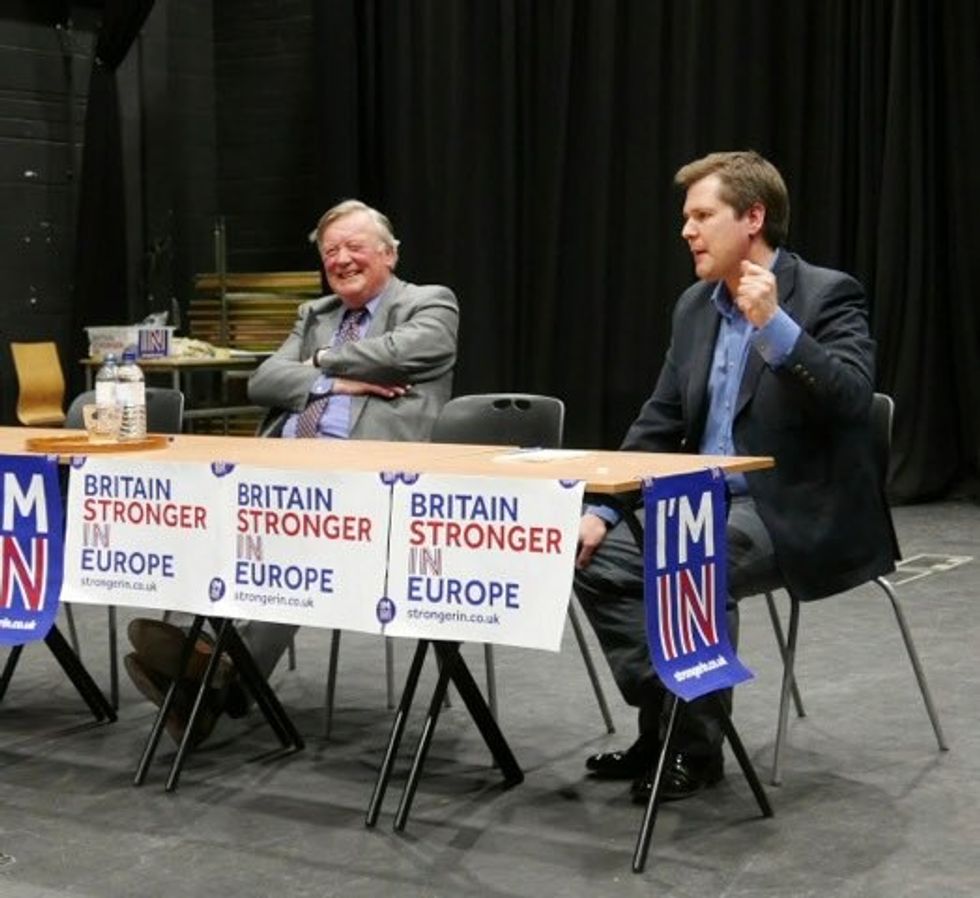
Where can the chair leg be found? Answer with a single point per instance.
(291, 654)
(583, 646)
(784, 697)
(113, 660)
(777, 628)
(332, 678)
(491, 679)
(390, 672)
(72, 632)
(331, 683)
(916, 664)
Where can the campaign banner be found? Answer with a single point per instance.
(302, 547)
(686, 584)
(142, 533)
(481, 559)
(31, 547)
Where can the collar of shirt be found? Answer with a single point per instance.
(721, 299)
(371, 307)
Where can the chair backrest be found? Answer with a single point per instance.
(41, 383)
(164, 410)
(503, 419)
(882, 415)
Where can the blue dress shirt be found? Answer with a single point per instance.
(774, 341)
(335, 421)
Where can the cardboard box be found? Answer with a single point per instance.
(150, 341)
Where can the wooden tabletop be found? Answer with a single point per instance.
(603, 471)
(182, 363)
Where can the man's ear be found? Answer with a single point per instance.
(755, 216)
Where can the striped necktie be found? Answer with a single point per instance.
(308, 423)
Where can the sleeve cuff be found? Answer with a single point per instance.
(609, 515)
(321, 386)
(775, 340)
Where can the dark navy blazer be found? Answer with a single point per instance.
(823, 502)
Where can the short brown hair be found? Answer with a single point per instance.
(746, 178)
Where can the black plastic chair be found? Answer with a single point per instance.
(515, 419)
(882, 413)
(502, 419)
(164, 414)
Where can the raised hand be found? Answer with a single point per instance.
(757, 296)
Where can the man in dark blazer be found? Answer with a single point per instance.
(769, 355)
(373, 360)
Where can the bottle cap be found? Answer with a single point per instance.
(129, 355)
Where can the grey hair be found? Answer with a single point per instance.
(347, 207)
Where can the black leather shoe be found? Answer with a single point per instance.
(623, 765)
(684, 775)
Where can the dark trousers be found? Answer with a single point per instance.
(610, 591)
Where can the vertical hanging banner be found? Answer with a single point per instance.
(482, 559)
(302, 547)
(31, 548)
(686, 584)
(142, 533)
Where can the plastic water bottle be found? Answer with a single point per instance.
(131, 394)
(106, 381)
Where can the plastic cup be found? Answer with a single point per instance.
(102, 422)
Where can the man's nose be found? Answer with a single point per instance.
(688, 230)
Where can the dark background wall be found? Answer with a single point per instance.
(525, 153)
(166, 101)
(43, 84)
(179, 151)
(167, 98)
(268, 111)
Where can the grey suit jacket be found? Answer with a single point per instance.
(822, 503)
(411, 339)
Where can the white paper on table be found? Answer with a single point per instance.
(539, 456)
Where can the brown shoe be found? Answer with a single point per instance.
(159, 644)
(154, 687)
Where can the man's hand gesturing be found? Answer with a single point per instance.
(757, 296)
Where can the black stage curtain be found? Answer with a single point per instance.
(525, 151)
(100, 282)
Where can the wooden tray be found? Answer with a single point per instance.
(82, 445)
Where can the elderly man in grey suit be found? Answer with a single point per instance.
(388, 383)
(373, 360)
